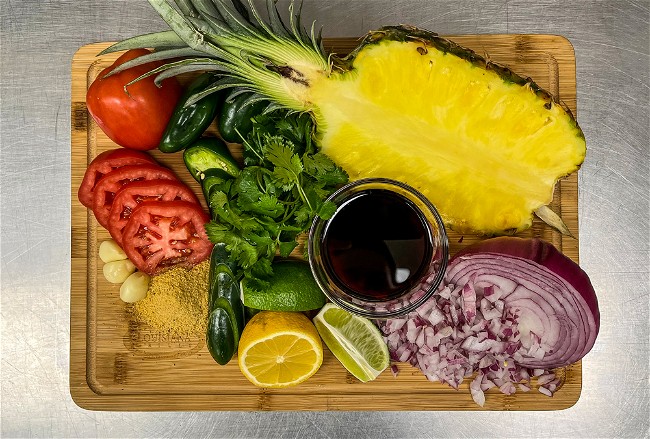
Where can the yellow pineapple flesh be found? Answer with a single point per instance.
(486, 151)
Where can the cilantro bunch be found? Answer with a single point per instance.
(276, 196)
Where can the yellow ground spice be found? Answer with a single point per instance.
(177, 301)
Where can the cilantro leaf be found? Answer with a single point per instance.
(287, 165)
(241, 250)
(261, 269)
(324, 170)
(268, 205)
(223, 211)
(296, 128)
(327, 210)
(250, 196)
(317, 164)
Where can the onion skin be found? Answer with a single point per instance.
(546, 255)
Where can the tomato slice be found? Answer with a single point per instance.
(129, 196)
(104, 163)
(161, 234)
(110, 183)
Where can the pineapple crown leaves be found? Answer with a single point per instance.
(232, 38)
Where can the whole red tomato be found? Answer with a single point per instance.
(136, 119)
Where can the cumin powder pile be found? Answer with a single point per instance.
(177, 301)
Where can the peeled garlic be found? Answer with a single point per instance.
(110, 251)
(116, 272)
(135, 287)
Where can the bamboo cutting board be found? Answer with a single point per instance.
(119, 364)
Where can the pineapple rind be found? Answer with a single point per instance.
(485, 150)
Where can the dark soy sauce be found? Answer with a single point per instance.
(377, 245)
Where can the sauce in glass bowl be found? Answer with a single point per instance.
(384, 251)
(377, 245)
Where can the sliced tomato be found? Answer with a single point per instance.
(160, 234)
(129, 196)
(104, 163)
(110, 183)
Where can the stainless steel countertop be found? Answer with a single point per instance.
(612, 41)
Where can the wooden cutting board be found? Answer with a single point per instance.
(119, 364)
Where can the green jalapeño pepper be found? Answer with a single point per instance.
(225, 309)
(209, 153)
(236, 114)
(188, 123)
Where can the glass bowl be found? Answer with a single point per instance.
(423, 283)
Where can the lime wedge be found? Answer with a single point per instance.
(355, 341)
(292, 288)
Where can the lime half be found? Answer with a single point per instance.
(354, 340)
(292, 288)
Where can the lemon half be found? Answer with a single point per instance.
(279, 349)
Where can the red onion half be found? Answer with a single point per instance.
(556, 305)
(509, 309)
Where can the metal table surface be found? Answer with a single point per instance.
(611, 40)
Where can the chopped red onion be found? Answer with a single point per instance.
(507, 315)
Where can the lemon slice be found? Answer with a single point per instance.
(354, 340)
(279, 349)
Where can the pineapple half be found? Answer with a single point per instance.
(483, 144)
